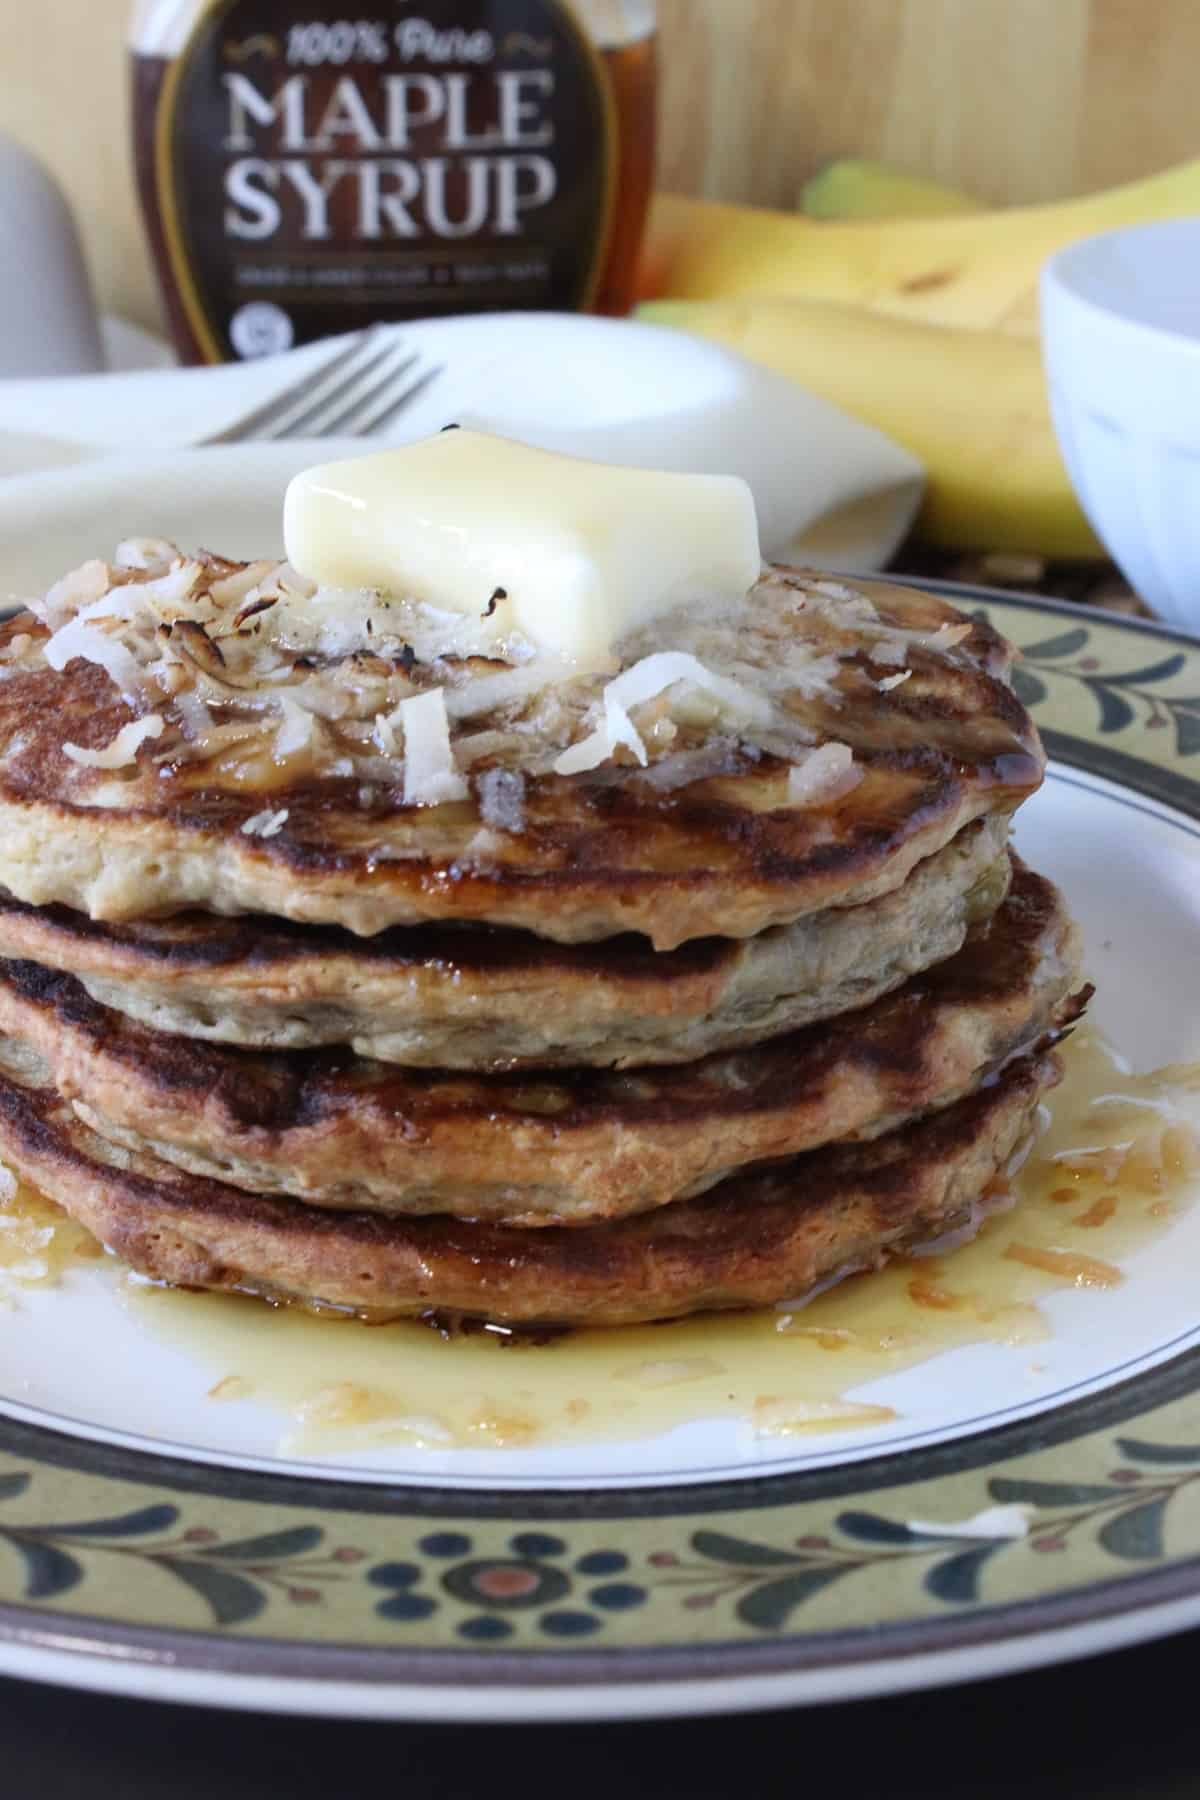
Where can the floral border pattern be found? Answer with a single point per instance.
(492, 1588)
(133, 1547)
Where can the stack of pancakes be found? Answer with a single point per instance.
(621, 1043)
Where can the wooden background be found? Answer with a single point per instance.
(1014, 99)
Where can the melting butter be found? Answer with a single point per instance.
(568, 553)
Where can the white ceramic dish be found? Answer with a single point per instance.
(1121, 337)
(154, 1542)
(73, 1351)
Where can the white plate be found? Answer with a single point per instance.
(65, 1354)
(161, 1543)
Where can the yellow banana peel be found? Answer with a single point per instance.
(973, 269)
(970, 403)
(855, 187)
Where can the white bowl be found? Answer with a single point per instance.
(1121, 340)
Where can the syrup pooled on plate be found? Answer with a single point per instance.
(1117, 1162)
(1115, 1165)
(38, 1241)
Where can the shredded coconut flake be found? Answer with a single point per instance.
(296, 728)
(482, 847)
(384, 732)
(946, 637)
(72, 594)
(815, 679)
(837, 590)
(145, 553)
(240, 586)
(619, 728)
(892, 681)
(502, 799)
(893, 644)
(823, 775)
(194, 715)
(661, 670)
(121, 750)
(509, 687)
(430, 777)
(784, 1418)
(678, 769)
(652, 676)
(671, 1373)
(79, 639)
(257, 652)
(168, 594)
(16, 648)
(266, 824)
(596, 748)
(888, 651)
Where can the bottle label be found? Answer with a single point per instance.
(316, 172)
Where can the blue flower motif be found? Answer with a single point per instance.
(401, 1602)
(536, 1543)
(602, 1562)
(485, 1628)
(618, 1596)
(569, 1624)
(445, 1543)
(406, 1607)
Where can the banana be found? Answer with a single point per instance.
(970, 403)
(974, 269)
(857, 188)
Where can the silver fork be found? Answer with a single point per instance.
(359, 388)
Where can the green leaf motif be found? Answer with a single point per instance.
(272, 1546)
(231, 1599)
(1115, 711)
(49, 1571)
(1068, 643)
(717, 1546)
(956, 1578)
(1187, 731)
(134, 1524)
(1006, 1492)
(1139, 1450)
(870, 1528)
(1028, 689)
(1137, 1535)
(12, 1485)
(1159, 671)
(769, 1606)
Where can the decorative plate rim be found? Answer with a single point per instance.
(502, 1621)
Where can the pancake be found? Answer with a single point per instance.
(768, 1235)
(269, 779)
(334, 1131)
(480, 997)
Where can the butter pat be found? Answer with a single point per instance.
(570, 554)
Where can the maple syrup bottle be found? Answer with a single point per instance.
(304, 172)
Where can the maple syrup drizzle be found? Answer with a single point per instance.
(1116, 1161)
(38, 1241)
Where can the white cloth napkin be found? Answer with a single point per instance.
(827, 487)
